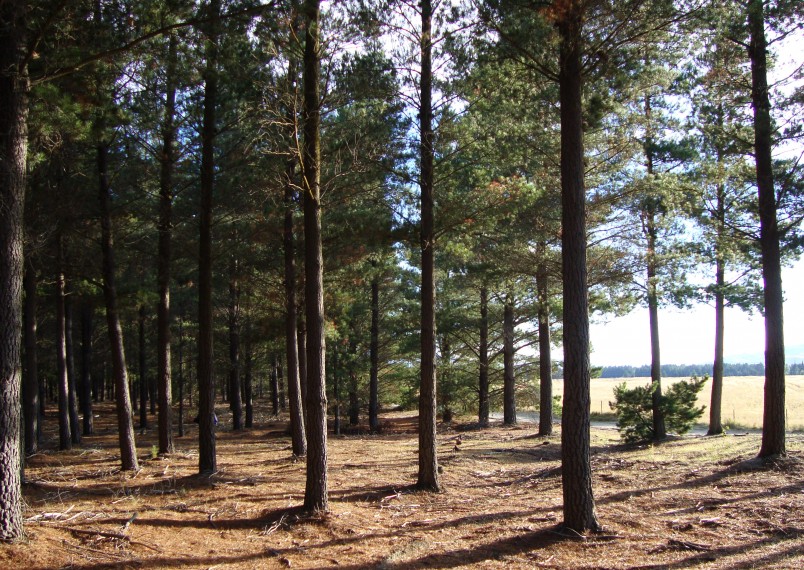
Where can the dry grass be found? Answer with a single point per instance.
(692, 502)
(742, 398)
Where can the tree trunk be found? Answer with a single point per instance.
(545, 359)
(181, 373)
(297, 431)
(576, 470)
(30, 387)
(274, 387)
(143, 373)
(428, 478)
(165, 230)
(773, 419)
(715, 414)
(65, 438)
(301, 335)
(248, 382)
(207, 460)
(14, 88)
(315, 494)
(650, 230)
(509, 380)
(86, 366)
(235, 397)
(659, 430)
(125, 425)
(75, 422)
(283, 403)
(374, 354)
(483, 389)
(336, 392)
(354, 402)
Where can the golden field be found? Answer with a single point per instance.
(742, 398)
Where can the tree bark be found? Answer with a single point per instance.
(374, 354)
(181, 372)
(65, 438)
(354, 402)
(30, 387)
(428, 478)
(298, 433)
(165, 231)
(509, 380)
(72, 400)
(301, 336)
(336, 392)
(14, 87)
(715, 404)
(773, 418)
(235, 397)
(292, 350)
(315, 494)
(545, 358)
(125, 425)
(207, 460)
(650, 230)
(143, 372)
(576, 470)
(274, 386)
(248, 381)
(483, 388)
(283, 402)
(86, 366)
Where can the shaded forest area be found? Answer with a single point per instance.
(266, 224)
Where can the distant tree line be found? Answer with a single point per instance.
(688, 370)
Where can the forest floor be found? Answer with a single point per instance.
(692, 502)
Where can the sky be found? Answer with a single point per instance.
(688, 337)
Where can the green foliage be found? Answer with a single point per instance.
(634, 408)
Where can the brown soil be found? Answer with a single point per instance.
(691, 502)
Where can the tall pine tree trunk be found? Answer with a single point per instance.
(650, 230)
(715, 404)
(354, 402)
(235, 396)
(483, 387)
(576, 470)
(428, 478)
(125, 425)
(301, 335)
(65, 438)
(248, 381)
(207, 459)
(181, 372)
(72, 381)
(274, 386)
(545, 359)
(659, 431)
(336, 392)
(374, 354)
(509, 379)
(143, 372)
(297, 431)
(30, 387)
(86, 366)
(315, 494)
(14, 88)
(165, 230)
(773, 419)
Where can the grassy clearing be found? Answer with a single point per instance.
(742, 399)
